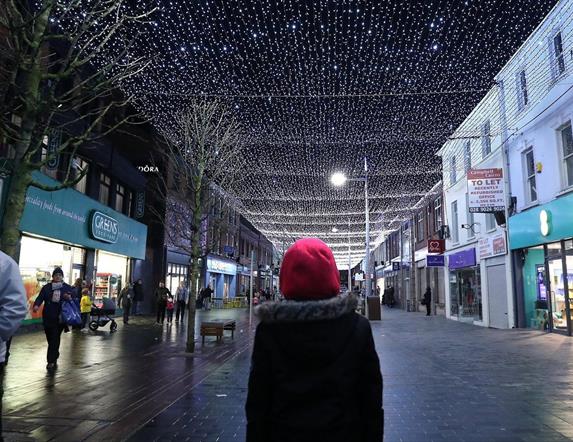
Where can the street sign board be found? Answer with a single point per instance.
(395, 266)
(486, 190)
(229, 250)
(436, 246)
(435, 261)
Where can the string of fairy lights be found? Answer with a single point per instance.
(319, 85)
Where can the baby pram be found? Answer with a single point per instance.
(100, 316)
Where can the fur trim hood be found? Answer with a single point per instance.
(301, 311)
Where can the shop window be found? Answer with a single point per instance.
(469, 219)
(420, 234)
(112, 274)
(128, 202)
(558, 56)
(467, 156)
(104, 188)
(567, 152)
(490, 223)
(522, 97)
(119, 197)
(486, 138)
(453, 171)
(437, 213)
(454, 229)
(529, 166)
(81, 165)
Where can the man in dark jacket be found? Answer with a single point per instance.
(315, 374)
(161, 295)
(52, 295)
(428, 301)
(137, 296)
(124, 300)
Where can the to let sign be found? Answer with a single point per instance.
(436, 246)
(486, 190)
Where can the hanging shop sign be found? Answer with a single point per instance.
(395, 266)
(492, 246)
(435, 261)
(70, 216)
(218, 266)
(229, 250)
(459, 260)
(139, 205)
(436, 246)
(486, 190)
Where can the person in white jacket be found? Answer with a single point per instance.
(13, 307)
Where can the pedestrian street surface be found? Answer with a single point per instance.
(443, 381)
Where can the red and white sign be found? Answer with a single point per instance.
(436, 246)
(486, 190)
(492, 246)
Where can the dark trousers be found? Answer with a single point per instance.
(170, 315)
(126, 309)
(161, 312)
(428, 308)
(85, 317)
(180, 310)
(1, 397)
(53, 334)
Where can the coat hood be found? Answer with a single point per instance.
(306, 311)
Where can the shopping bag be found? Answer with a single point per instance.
(71, 313)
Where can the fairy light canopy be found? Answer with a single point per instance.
(319, 85)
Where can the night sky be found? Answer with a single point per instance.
(318, 85)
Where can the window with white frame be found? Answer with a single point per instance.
(420, 226)
(521, 88)
(453, 171)
(559, 58)
(437, 213)
(469, 219)
(490, 223)
(119, 197)
(81, 166)
(486, 138)
(529, 169)
(567, 154)
(467, 156)
(104, 188)
(454, 228)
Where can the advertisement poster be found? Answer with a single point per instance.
(486, 190)
(492, 246)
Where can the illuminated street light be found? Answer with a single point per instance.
(338, 179)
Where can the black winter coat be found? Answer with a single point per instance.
(315, 374)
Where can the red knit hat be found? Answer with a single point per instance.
(309, 271)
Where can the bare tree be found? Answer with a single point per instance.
(61, 64)
(205, 155)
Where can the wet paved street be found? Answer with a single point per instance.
(444, 381)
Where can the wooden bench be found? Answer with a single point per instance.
(215, 327)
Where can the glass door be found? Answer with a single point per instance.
(557, 296)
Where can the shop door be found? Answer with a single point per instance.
(558, 294)
(497, 296)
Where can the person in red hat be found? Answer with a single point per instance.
(315, 374)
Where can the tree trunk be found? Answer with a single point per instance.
(195, 267)
(18, 185)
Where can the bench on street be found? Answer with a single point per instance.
(216, 327)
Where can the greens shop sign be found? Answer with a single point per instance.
(103, 227)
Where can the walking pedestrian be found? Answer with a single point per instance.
(85, 306)
(391, 299)
(428, 301)
(315, 374)
(169, 308)
(161, 298)
(76, 296)
(182, 294)
(124, 301)
(207, 293)
(137, 296)
(13, 307)
(52, 295)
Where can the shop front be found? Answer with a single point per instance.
(177, 272)
(465, 286)
(85, 238)
(541, 239)
(221, 274)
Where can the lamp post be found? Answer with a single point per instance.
(339, 179)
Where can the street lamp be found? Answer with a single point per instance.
(339, 179)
